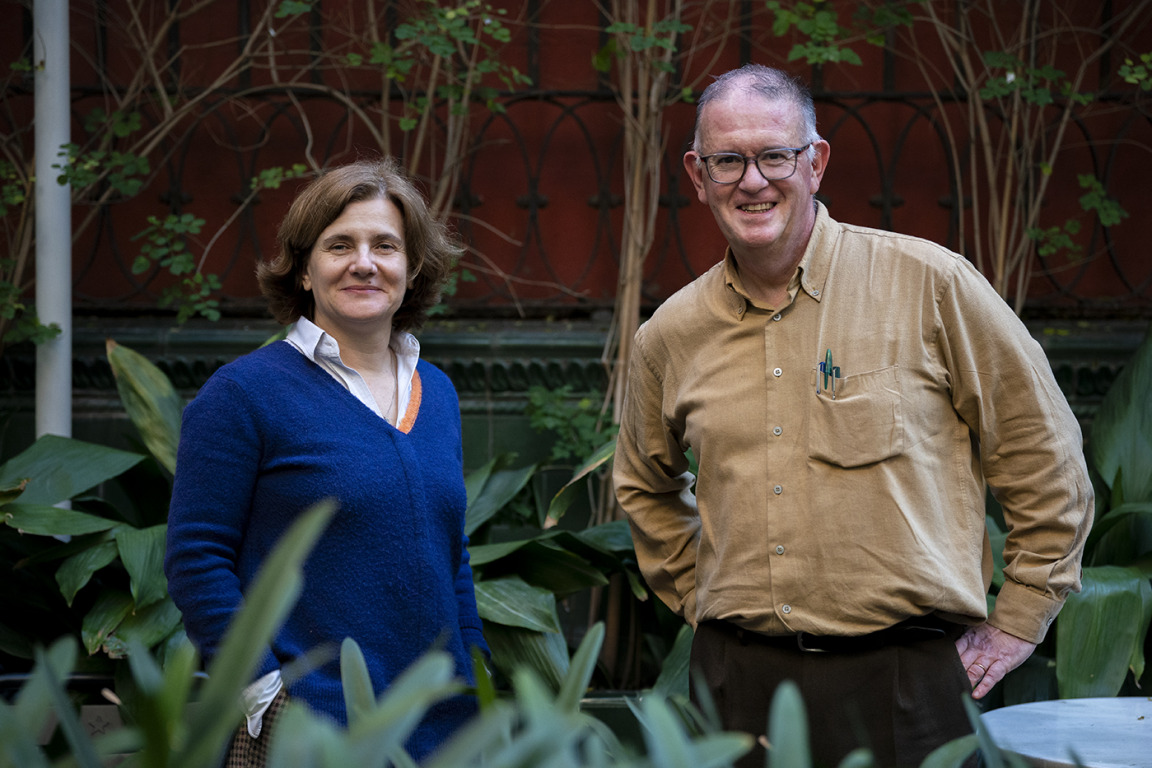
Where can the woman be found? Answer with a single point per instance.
(345, 409)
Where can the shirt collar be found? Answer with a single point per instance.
(315, 344)
(811, 273)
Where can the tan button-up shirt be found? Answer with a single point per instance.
(842, 505)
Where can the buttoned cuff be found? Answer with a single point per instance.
(1024, 612)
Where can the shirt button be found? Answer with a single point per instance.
(777, 431)
(815, 292)
(777, 317)
(786, 609)
(777, 371)
(779, 549)
(778, 490)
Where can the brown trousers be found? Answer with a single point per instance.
(900, 700)
(248, 752)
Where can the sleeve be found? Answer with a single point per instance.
(653, 486)
(471, 628)
(217, 463)
(1030, 449)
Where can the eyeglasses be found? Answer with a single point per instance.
(774, 164)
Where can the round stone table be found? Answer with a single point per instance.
(1102, 733)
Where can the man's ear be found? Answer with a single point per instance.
(821, 151)
(695, 169)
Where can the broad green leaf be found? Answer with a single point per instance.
(79, 745)
(1100, 632)
(10, 493)
(615, 537)
(150, 400)
(53, 521)
(482, 554)
(514, 647)
(145, 627)
(142, 552)
(953, 754)
(666, 739)
(359, 698)
(541, 563)
(77, 570)
(580, 669)
(267, 602)
(513, 602)
(788, 729)
(302, 739)
(1122, 536)
(111, 608)
(673, 680)
(383, 728)
(499, 488)
(473, 743)
(572, 489)
(59, 468)
(1121, 437)
(33, 703)
(997, 538)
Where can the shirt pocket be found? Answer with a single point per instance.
(862, 425)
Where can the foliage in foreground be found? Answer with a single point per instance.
(172, 721)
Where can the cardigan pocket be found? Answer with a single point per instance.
(862, 425)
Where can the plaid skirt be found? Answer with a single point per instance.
(248, 752)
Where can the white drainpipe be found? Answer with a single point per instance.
(53, 217)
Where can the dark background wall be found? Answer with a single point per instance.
(540, 201)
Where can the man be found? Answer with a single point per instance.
(846, 392)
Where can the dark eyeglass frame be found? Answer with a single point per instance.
(756, 159)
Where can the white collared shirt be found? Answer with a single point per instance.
(319, 347)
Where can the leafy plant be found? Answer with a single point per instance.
(1097, 644)
(1015, 108)
(176, 722)
(92, 569)
(1101, 633)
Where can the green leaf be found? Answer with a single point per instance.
(602, 59)
(150, 400)
(953, 754)
(384, 727)
(53, 521)
(33, 704)
(997, 538)
(513, 602)
(111, 608)
(1100, 632)
(142, 552)
(571, 490)
(542, 563)
(145, 628)
(788, 729)
(580, 669)
(1120, 444)
(359, 698)
(77, 570)
(60, 468)
(499, 487)
(673, 679)
(12, 492)
(267, 602)
(514, 647)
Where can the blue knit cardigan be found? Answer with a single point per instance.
(269, 435)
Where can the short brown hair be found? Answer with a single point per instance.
(431, 249)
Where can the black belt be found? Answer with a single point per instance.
(914, 630)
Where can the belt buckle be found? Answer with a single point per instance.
(806, 648)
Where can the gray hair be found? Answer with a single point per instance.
(766, 82)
